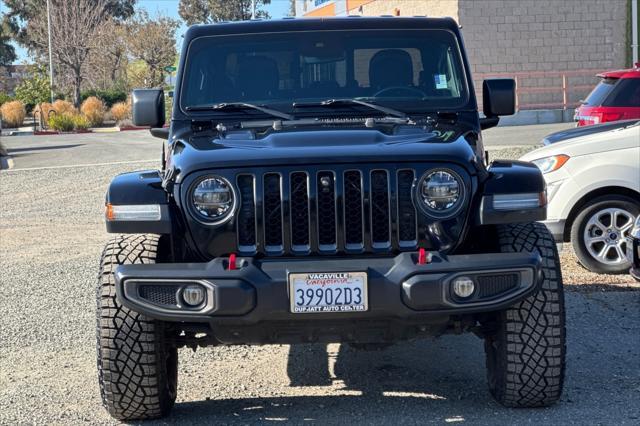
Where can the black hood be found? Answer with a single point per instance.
(318, 147)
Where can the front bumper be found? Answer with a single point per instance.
(398, 287)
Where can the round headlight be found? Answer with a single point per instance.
(213, 199)
(440, 192)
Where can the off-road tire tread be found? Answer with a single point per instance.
(526, 355)
(131, 348)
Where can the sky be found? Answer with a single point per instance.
(277, 9)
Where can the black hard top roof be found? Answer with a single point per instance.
(319, 24)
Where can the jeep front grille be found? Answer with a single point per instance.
(326, 211)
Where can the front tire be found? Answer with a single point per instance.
(526, 349)
(137, 367)
(599, 233)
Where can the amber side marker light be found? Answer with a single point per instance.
(139, 212)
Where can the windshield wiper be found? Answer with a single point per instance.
(240, 106)
(341, 102)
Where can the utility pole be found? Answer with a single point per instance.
(253, 9)
(635, 37)
(50, 57)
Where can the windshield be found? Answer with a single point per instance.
(412, 70)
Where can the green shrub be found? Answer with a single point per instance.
(80, 122)
(4, 98)
(62, 122)
(34, 90)
(109, 96)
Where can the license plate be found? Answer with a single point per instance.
(320, 292)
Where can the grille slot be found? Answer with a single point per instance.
(380, 214)
(493, 285)
(355, 210)
(246, 214)
(299, 211)
(327, 238)
(407, 225)
(272, 213)
(165, 295)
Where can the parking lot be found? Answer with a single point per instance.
(51, 236)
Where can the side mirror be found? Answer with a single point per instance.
(499, 97)
(148, 107)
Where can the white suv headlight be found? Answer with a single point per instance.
(552, 163)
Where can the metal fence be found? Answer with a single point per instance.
(545, 89)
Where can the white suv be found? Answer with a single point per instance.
(593, 188)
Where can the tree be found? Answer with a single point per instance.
(7, 51)
(152, 41)
(210, 11)
(74, 30)
(74, 24)
(106, 66)
(23, 15)
(34, 90)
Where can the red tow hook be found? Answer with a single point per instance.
(423, 256)
(232, 262)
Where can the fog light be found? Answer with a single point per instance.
(193, 295)
(463, 287)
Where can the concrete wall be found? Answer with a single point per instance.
(434, 8)
(509, 36)
(545, 35)
(529, 36)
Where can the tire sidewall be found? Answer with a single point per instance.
(580, 223)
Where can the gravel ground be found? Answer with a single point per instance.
(51, 235)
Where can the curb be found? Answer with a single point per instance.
(128, 128)
(55, 132)
(6, 162)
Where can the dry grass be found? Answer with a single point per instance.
(13, 113)
(121, 111)
(94, 109)
(42, 112)
(64, 107)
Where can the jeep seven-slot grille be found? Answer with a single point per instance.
(326, 211)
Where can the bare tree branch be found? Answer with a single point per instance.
(74, 31)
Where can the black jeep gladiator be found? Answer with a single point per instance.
(324, 180)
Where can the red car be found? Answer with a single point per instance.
(616, 97)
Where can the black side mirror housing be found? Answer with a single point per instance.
(499, 97)
(148, 107)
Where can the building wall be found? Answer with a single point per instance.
(328, 9)
(509, 36)
(530, 37)
(432, 8)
